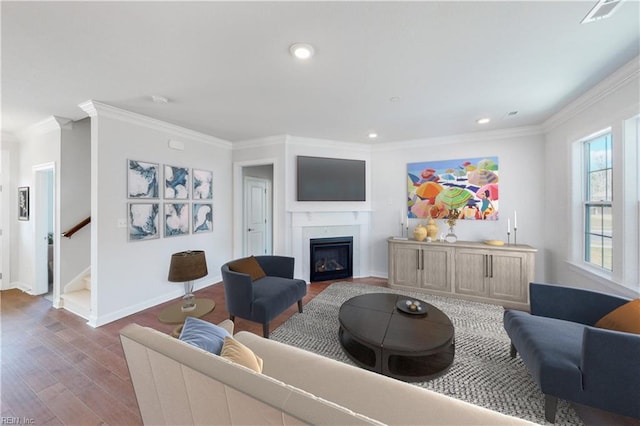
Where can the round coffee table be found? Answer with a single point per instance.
(378, 336)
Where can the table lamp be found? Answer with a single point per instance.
(185, 267)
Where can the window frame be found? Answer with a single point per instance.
(589, 203)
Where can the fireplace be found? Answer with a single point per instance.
(331, 258)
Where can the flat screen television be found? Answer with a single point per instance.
(331, 179)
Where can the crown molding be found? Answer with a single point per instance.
(260, 142)
(323, 143)
(621, 77)
(47, 125)
(96, 109)
(476, 137)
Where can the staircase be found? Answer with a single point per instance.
(76, 297)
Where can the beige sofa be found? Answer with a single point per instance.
(179, 384)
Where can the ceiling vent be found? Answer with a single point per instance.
(602, 9)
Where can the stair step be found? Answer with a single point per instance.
(78, 302)
(87, 281)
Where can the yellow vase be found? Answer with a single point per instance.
(432, 229)
(419, 233)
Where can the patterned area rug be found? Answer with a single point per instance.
(482, 373)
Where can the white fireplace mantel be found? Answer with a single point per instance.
(308, 225)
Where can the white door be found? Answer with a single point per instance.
(257, 217)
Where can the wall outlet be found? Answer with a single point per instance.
(122, 223)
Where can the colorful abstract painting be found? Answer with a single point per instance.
(465, 189)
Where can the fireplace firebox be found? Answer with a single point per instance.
(331, 258)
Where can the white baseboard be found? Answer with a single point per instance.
(99, 320)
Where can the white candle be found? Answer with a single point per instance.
(508, 226)
(515, 219)
(401, 216)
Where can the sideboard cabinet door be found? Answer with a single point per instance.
(471, 272)
(404, 264)
(509, 276)
(436, 268)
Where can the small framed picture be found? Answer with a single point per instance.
(202, 218)
(23, 203)
(177, 183)
(142, 179)
(176, 219)
(202, 184)
(144, 221)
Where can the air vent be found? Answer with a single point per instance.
(602, 9)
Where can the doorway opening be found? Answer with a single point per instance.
(44, 202)
(257, 210)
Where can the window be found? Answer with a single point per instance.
(598, 223)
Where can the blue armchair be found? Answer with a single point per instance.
(265, 298)
(569, 358)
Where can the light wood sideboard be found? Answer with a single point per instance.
(464, 269)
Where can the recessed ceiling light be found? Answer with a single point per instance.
(483, 120)
(301, 50)
(159, 99)
(373, 135)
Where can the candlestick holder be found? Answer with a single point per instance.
(508, 238)
(515, 236)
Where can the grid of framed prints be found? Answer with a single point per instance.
(179, 204)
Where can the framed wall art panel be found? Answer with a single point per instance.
(142, 179)
(465, 188)
(202, 217)
(23, 203)
(176, 219)
(202, 184)
(144, 221)
(177, 183)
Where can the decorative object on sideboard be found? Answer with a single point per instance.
(432, 229)
(451, 236)
(515, 229)
(419, 233)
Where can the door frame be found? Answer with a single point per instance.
(238, 203)
(40, 245)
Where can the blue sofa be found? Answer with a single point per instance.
(569, 358)
(265, 298)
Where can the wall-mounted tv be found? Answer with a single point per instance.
(331, 179)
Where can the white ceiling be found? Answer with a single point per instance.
(226, 68)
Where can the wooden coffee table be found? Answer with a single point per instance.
(377, 336)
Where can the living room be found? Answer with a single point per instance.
(537, 152)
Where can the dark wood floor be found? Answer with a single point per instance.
(58, 370)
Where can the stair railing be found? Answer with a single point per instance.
(76, 228)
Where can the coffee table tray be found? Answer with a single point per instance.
(404, 306)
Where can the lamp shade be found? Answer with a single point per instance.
(187, 266)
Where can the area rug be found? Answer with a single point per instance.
(482, 372)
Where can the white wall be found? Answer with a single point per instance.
(10, 155)
(130, 276)
(609, 104)
(520, 154)
(40, 144)
(295, 222)
(75, 200)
